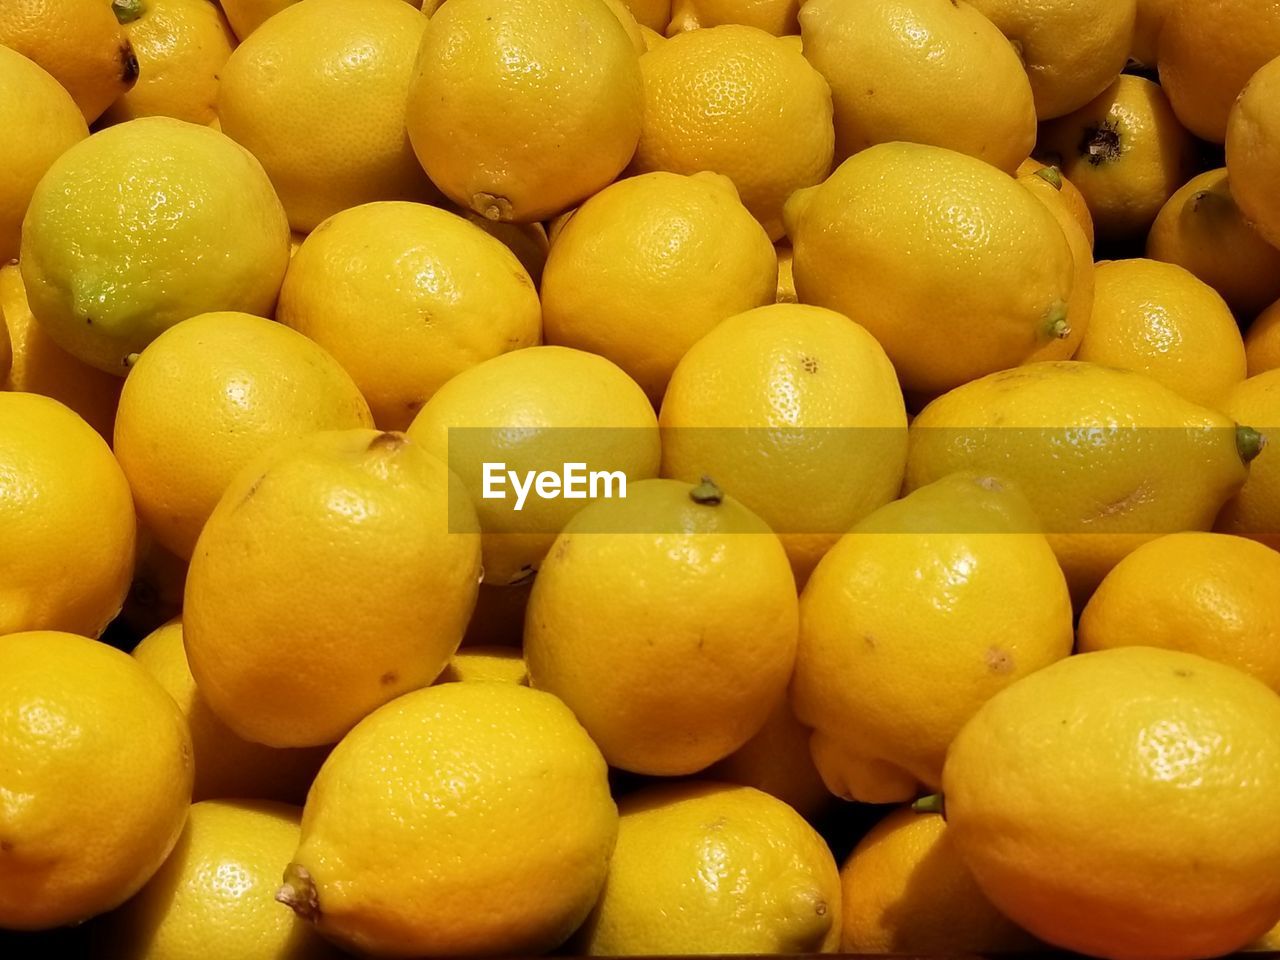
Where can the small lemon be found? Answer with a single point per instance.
(246, 16)
(651, 263)
(506, 855)
(1145, 47)
(97, 778)
(653, 14)
(1253, 150)
(486, 664)
(1255, 511)
(779, 17)
(1261, 340)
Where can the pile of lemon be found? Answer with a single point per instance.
(926, 353)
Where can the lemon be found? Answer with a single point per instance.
(225, 765)
(786, 292)
(1108, 458)
(1261, 341)
(795, 411)
(41, 366)
(405, 296)
(906, 891)
(667, 622)
(651, 263)
(1255, 511)
(1071, 51)
(215, 895)
(1126, 152)
(950, 295)
(653, 14)
(1253, 149)
(208, 395)
(97, 778)
(779, 17)
(509, 853)
(114, 252)
(1203, 593)
(519, 109)
(246, 16)
(704, 868)
(1118, 804)
(739, 102)
(486, 664)
(914, 619)
(1203, 229)
(528, 241)
(41, 122)
(78, 42)
(1158, 319)
(935, 72)
(1208, 51)
(1151, 15)
(350, 551)
(529, 412)
(1050, 178)
(182, 47)
(67, 529)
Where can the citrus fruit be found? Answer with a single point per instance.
(528, 241)
(97, 778)
(208, 395)
(950, 297)
(794, 378)
(1203, 229)
(1261, 340)
(1049, 177)
(739, 102)
(204, 231)
(155, 593)
(712, 868)
(67, 528)
(778, 17)
(517, 834)
(654, 14)
(667, 622)
(482, 664)
(531, 412)
(786, 292)
(519, 109)
(226, 767)
(352, 552)
(405, 296)
(1255, 511)
(1253, 150)
(1051, 787)
(935, 72)
(1145, 47)
(651, 263)
(245, 16)
(914, 619)
(1158, 319)
(1204, 593)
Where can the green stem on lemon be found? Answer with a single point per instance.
(1055, 321)
(1051, 176)
(127, 11)
(707, 493)
(934, 803)
(299, 892)
(1249, 443)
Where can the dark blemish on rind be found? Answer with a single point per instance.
(129, 69)
(869, 640)
(1100, 144)
(388, 678)
(1182, 673)
(248, 494)
(6, 846)
(999, 661)
(809, 364)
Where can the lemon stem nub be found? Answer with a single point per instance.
(1249, 442)
(930, 804)
(1056, 325)
(299, 892)
(707, 493)
(126, 11)
(1051, 176)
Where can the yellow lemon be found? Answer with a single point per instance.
(1208, 51)
(1108, 458)
(906, 891)
(1071, 51)
(950, 297)
(226, 767)
(1253, 150)
(1261, 340)
(405, 296)
(317, 94)
(795, 411)
(67, 528)
(652, 14)
(779, 17)
(115, 252)
(786, 292)
(1049, 177)
(1118, 804)
(97, 778)
(215, 895)
(541, 104)
(528, 241)
(246, 16)
(1203, 593)
(1158, 319)
(697, 601)
(935, 72)
(41, 122)
(486, 664)
(1145, 47)
(651, 38)
(182, 47)
(1255, 511)
(207, 396)
(651, 263)
(704, 868)
(78, 42)
(41, 366)
(914, 619)
(515, 839)
(529, 413)
(629, 24)
(1203, 229)
(1126, 153)
(352, 552)
(739, 102)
